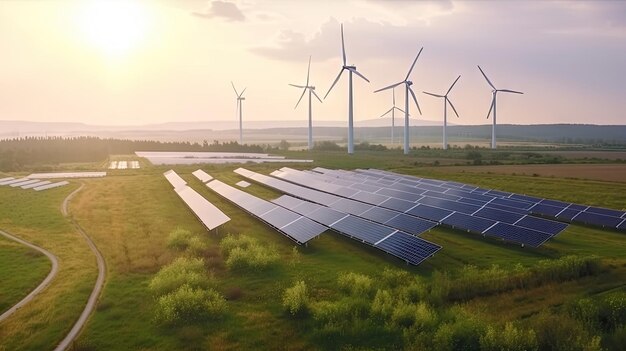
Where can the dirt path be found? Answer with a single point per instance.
(53, 272)
(95, 293)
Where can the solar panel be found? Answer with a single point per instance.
(34, 185)
(554, 203)
(567, 214)
(279, 216)
(398, 194)
(6, 179)
(605, 211)
(450, 205)
(622, 225)
(517, 234)
(175, 180)
(429, 212)
(379, 214)
(398, 205)
(542, 225)
(326, 216)
(546, 210)
(370, 188)
(468, 223)
(441, 195)
(597, 219)
(303, 229)
(206, 212)
(527, 198)
(512, 203)
(410, 224)
(350, 206)
(369, 198)
(412, 249)
(68, 175)
(202, 175)
(51, 185)
(507, 208)
(287, 201)
(472, 201)
(362, 229)
(346, 192)
(11, 181)
(499, 215)
(25, 182)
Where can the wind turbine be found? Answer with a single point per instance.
(350, 69)
(393, 115)
(311, 90)
(240, 99)
(408, 90)
(446, 101)
(494, 92)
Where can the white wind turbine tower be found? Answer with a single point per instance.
(350, 69)
(311, 90)
(446, 101)
(494, 92)
(408, 90)
(240, 99)
(393, 115)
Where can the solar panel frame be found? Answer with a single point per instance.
(51, 185)
(542, 225)
(514, 233)
(498, 215)
(468, 223)
(362, 229)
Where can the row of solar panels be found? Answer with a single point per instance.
(527, 230)
(455, 191)
(210, 216)
(35, 184)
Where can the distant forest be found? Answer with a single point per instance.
(16, 154)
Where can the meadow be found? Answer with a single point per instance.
(131, 213)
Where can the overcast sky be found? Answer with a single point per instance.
(160, 61)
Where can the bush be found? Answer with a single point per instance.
(383, 304)
(179, 239)
(231, 242)
(243, 252)
(296, 299)
(183, 271)
(189, 305)
(393, 278)
(510, 338)
(196, 247)
(355, 284)
(561, 332)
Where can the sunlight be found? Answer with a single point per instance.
(115, 28)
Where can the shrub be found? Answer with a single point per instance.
(187, 304)
(355, 284)
(179, 238)
(243, 252)
(510, 338)
(196, 247)
(383, 304)
(612, 311)
(296, 299)
(561, 332)
(183, 271)
(393, 278)
(231, 242)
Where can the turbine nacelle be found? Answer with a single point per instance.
(349, 67)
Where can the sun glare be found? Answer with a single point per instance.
(115, 28)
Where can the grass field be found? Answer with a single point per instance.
(129, 215)
(22, 270)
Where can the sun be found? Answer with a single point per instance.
(113, 27)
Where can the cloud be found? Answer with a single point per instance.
(222, 9)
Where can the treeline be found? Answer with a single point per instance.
(20, 153)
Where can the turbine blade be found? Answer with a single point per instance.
(243, 91)
(399, 109)
(389, 87)
(393, 92)
(491, 107)
(488, 81)
(335, 82)
(233, 84)
(384, 114)
(456, 80)
(415, 99)
(413, 65)
(298, 86)
(510, 91)
(453, 109)
(314, 93)
(300, 99)
(358, 74)
(308, 72)
(343, 46)
(436, 95)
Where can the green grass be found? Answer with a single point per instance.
(130, 214)
(22, 270)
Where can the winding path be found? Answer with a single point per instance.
(95, 293)
(53, 272)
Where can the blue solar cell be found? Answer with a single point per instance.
(410, 248)
(476, 196)
(441, 195)
(567, 214)
(472, 201)
(287, 201)
(499, 215)
(379, 214)
(512, 203)
(598, 219)
(469, 188)
(369, 198)
(453, 185)
(429, 212)
(506, 208)
(518, 234)
(545, 210)
(498, 193)
(450, 205)
(326, 216)
(350, 206)
(279, 216)
(605, 211)
(542, 225)
(385, 182)
(399, 194)
(345, 192)
(366, 187)
(398, 205)
(303, 229)
(525, 198)
(622, 226)
(479, 191)
(578, 207)
(306, 207)
(468, 223)
(410, 224)
(258, 207)
(555, 203)
(362, 229)
(407, 188)
(432, 181)
(431, 187)
(408, 182)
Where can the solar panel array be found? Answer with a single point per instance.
(564, 211)
(407, 247)
(440, 210)
(205, 211)
(27, 183)
(293, 225)
(68, 175)
(51, 185)
(202, 175)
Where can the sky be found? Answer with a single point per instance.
(143, 62)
